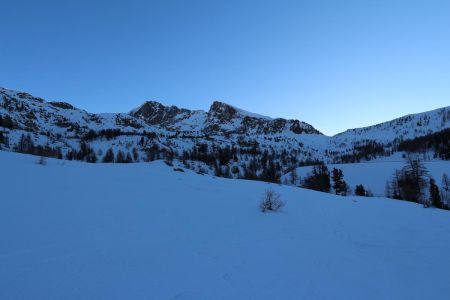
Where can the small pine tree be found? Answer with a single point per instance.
(360, 191)
(445, 195)
(135, 154)
(435, 197)
(120, 158)
(92, 157)
(339, 185)
(293, 178)
(128, 158)
(388, 190)
(109, 156)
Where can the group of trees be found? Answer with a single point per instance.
(414, 183)
(245, 163)
(318, 180)
(411, 183)
(109, 134)
(120, 158)
(438, 142)
(26, 145)
(322, 180)
(364, 151)
(7, 122)
(85, 153)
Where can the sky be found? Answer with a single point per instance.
(334, 64)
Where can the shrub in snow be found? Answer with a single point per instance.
(360, 190)
(271, 201)
(42, 161)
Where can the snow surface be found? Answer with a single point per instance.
(72, 230)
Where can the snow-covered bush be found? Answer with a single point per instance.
(271, 201)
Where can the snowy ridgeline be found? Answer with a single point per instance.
(72, 230)
(60, 126)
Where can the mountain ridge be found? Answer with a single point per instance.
(218, 103)
(170, 131)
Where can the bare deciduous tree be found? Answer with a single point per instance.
(271, 201)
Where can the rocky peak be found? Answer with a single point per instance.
(154, 113)
(222, 111)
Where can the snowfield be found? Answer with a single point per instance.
(72, 230)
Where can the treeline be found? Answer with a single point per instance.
(85, 153)
(364, 151)
(110, 134)
(438, 142)
(121, 157)
(245, 163)
(26, 145)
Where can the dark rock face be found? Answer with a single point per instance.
(154, 113)
(63, 105)
(275, 126)
(26, 96)
(222, 112)
(221, 118)
(298, 127)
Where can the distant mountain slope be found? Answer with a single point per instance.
(238, 137)
(407, 127)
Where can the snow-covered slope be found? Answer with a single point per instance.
(59, 124)
(71, 230)
(407, 127)
(175, 130)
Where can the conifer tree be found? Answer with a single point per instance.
(445, 195)
(293, 177)
(360, 190)
(318, 180)
(339, 185)
(120, 158)
(435, 197)
(109, 156)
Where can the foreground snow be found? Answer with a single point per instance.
(72, 230)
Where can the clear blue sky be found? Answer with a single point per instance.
(334, 64)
